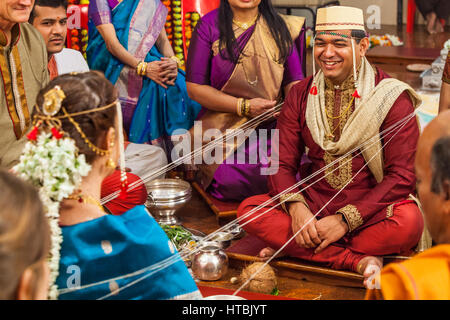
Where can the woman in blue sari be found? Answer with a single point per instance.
(123, 35)
(101, 256)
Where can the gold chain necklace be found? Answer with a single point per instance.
(86, 199)
(250, 82)
(331, 134)
(342, 113)
(246, 25)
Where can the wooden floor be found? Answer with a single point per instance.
(197, 215)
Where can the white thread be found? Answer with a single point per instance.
(354, 61)
(207, 147)
(168, 261)
(313, 217)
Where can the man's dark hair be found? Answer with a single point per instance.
(440, 164)
(47, 3)
(358, 35)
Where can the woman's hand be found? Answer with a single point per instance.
(171, 67)
(259, 106)
(156, 72)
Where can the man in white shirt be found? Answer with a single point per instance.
(50, 18)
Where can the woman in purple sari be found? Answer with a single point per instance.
(243, 59)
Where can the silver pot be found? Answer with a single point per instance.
(210, 263)
(165, 197)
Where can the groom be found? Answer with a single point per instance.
(327, 116)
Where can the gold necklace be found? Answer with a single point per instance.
(250, 82)
(342, 113)
(246, 25)
(331, 134)
(86, 199)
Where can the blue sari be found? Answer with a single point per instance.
(105, 249)
(150, 113)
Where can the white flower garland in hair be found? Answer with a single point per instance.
(56, 168)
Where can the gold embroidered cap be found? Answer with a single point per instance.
(339, 18)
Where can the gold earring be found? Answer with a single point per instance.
(110, 164)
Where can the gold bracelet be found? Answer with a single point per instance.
(246, 108)
(239, 106)
(141, 68)
(144, 69)
(177, 60)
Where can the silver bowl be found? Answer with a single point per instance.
(223, 239)
(165, 197)
(210, 263)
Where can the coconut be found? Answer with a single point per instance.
(265, 281)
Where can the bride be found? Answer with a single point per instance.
(73, 147)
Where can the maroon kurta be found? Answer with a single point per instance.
(371, 199)
(381, 222)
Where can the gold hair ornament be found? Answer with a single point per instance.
(51, 106)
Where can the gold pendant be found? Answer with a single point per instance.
(254, 82)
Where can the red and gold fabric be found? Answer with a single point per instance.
(364, 201)
(394, 235)
(52, 68)
(381, 221)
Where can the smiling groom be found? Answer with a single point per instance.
(326, 116)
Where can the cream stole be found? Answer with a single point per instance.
(364, 123)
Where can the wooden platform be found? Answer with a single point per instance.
(402, 55)
(244, 251)
(296, 280)
(222, 210)
(295, 269)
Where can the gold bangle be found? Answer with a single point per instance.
(239, 107)
(144, 69)
(177, 60)
(141, 68)
(246, 107)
